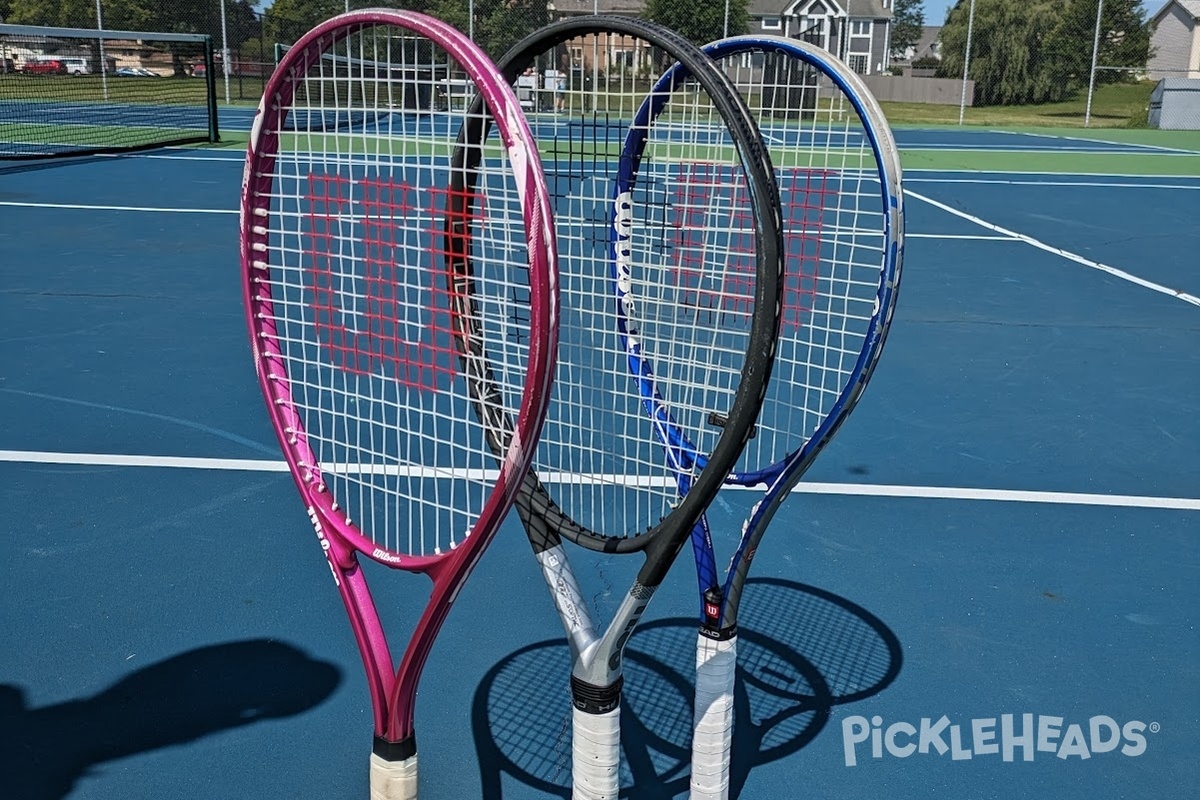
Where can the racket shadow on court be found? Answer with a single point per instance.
(803, 651)
(172, 702)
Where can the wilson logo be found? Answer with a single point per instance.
(1009, 737)
(383, 555)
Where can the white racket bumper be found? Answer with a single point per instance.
(393, 780)
(596, 754)
(712, 735)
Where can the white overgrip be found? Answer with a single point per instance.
(393, 780)
(595, 754)
(712, 734)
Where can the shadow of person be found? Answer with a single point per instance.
(178, 700)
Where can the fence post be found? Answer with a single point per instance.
(224, 51)
(1087, 114)
(962, 102)
(103, 61)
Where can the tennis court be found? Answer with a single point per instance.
(986, 588)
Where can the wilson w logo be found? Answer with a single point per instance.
(380, 283)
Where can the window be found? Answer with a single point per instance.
(814, 31)
(772, 23)
(858, 63)
(860, 27)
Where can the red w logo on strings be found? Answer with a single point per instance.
(380, 292)
(707, 189)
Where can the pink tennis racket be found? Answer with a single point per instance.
(402, 303)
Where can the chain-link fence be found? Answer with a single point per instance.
(1080, 62)
(995, 62)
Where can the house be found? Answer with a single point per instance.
(1175, 41)
(603, 52)
(857, 31)
(928, 46)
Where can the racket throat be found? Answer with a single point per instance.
(712, 611)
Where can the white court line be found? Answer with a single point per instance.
(1090, 184)
(79, 206)
(1062, 151)
(85, 207)
(972, 237)
(856, 489)
(1078, 259)
(1152, 147)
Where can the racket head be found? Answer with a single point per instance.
(385, 309)
(838, 171)
(649, 406)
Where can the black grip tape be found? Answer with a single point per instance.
(402, 750)
(595, 699)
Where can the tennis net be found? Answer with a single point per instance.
(75, 91)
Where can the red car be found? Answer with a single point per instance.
(49, 67)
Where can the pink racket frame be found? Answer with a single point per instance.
(393, 691)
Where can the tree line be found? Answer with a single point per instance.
(497, 24)
(1040, 51)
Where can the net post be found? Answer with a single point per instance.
(210, 78)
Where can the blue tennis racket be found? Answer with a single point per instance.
(839, 179)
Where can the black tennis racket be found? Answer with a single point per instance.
(670, 306)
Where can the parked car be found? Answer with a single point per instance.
(134, 72)
(76, 65)
(44, 67)
(199, 71)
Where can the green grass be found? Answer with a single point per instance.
(90, 89)
(1113, 106)
(89, 137)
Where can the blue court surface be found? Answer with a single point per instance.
(988, 586)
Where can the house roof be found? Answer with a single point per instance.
(855, 9)
(862, 9)
(1190, 6)
(929, 35)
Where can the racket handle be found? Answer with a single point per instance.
(595, 754)
(712, 735)
(394, 779)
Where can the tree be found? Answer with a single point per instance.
(288, 20)
(908, 18)
(701, 21)
(1124, 40)
(1011, 61)
(66, 13)
(498, 24)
